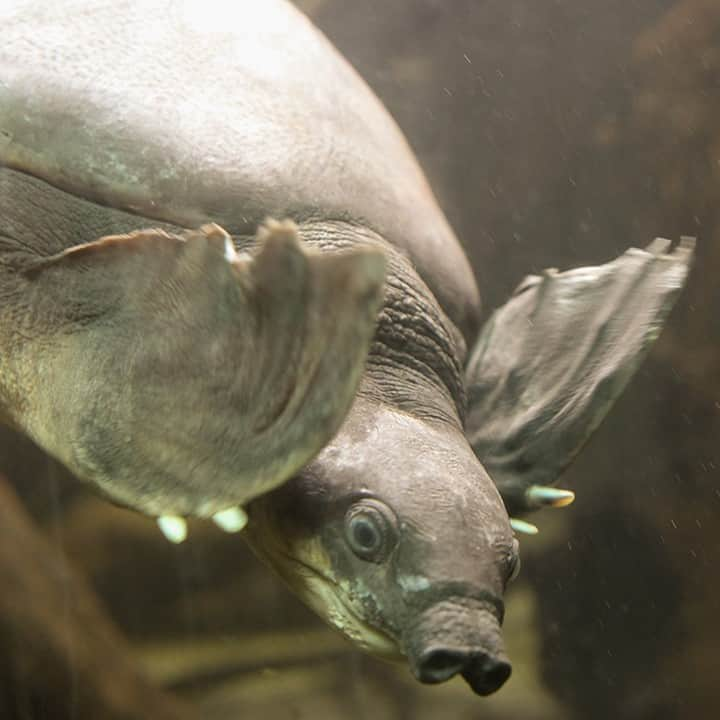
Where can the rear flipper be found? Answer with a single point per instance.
(183, 379)
(549, 364)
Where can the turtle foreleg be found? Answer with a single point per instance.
(549, 364)
(183, 379)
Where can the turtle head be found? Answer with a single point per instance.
(397, 537)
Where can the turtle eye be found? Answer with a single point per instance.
(368, 531)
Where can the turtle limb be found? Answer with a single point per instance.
(183, 379)
(549, 364)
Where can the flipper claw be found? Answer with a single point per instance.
(221, 236)
(541, 495)
(173, 527)
(520, 526)
(232, 520)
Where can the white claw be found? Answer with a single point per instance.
(230, 252)
(173, 527)
(521, 526)
(232, 520)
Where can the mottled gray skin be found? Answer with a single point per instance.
(207, 111)
(432, 590)
(163, 120)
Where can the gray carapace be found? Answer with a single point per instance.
(326, 374)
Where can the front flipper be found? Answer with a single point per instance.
(183, 379)
(549, 364)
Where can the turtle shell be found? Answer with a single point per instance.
(196, 111)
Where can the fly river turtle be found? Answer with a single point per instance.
(206, 372)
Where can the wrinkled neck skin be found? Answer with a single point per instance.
(416, 361)
(433, 593)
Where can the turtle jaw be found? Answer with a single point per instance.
(305, 568)
(328, 599)
(311, 579)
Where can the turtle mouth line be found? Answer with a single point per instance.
(339, 609)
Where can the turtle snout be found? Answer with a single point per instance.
(458, 638)
(484, 672)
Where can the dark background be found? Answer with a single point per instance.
(554, 133)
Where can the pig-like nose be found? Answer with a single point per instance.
(484, 672)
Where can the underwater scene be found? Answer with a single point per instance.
(359, 360)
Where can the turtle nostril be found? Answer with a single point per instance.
(440, 664)
(485, 674)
